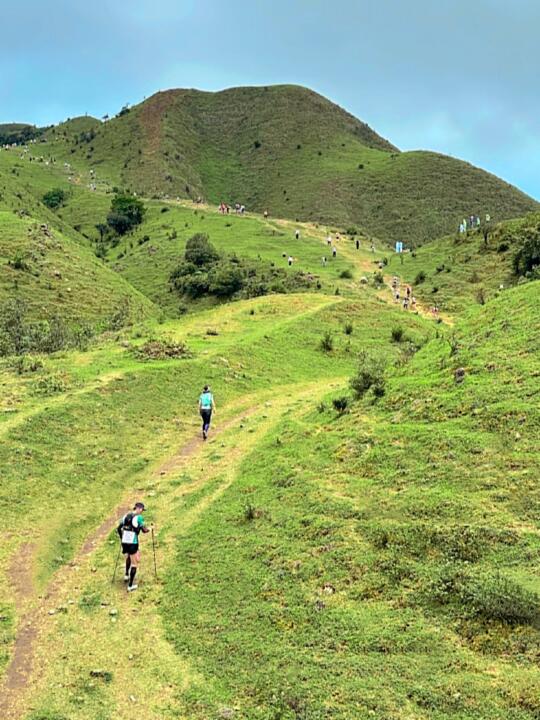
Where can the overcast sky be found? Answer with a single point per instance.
(457, 76)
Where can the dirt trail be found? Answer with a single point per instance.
(33, 610)
(363, 263)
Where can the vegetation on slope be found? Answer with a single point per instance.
(456, 271)
(286, 149)
(390, 551)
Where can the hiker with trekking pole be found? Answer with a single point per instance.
(129, 528)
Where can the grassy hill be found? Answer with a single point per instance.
(463, 270)
(311, 564)
(55, 276)
(18, 132)
(52, 268)
(288, 150)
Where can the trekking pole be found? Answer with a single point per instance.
(154, 549)
(116, 563)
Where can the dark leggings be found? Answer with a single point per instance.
(206, 417)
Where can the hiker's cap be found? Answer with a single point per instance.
(140, 505)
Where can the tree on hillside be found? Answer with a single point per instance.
(54, 198)
(527, 258)
(126, 212)
(200, 251)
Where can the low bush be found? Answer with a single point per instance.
(420, 278)
(161, 350)
(27, 364)
(397, 334)
(54, 198)
(370, 375)
(340, 404)
(346, 275)
(20, 335)
(327, 342)
(489, 596)
(348, 328)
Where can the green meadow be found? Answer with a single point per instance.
(358, 538)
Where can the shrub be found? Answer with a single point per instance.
(27, 364)
(481, 296)
(369, 375)
(420, 278)
(503, 247)
(327, 342)
(346, 275)
(54, 198)
(489, 596)
(340, 404)
(527, 258)
(348, 328)
(161, 350)
(495, 597)
(126, 212)
(121, 315)
(51, 385)
(200, 251)
(397, 334)
(226, 280)
(378, 279)
(19, 263)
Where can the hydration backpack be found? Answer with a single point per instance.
(128, 533)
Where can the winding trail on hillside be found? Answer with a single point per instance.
(362, 263)
(34, 610)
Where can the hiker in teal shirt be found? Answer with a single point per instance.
(206, 405)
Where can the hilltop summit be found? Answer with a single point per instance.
(287, 149)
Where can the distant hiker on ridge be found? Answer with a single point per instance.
(206, 406)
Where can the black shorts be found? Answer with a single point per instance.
(129, 549)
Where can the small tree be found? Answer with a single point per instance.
(200, 251)
(370, 375)
(327, 342)
(527, 258)
(126, 212)
(54, 198)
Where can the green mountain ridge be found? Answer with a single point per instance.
(287, 150)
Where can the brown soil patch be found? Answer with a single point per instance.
(151, 119)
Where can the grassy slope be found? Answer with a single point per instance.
(115, 416)
(148, 266)
(363, 526)
(94, 288)
(289, 150)
(463, 268)
(335, 600)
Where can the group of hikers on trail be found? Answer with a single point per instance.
(225, 209)
(408, 300)
(132, 523)
(472, 222)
